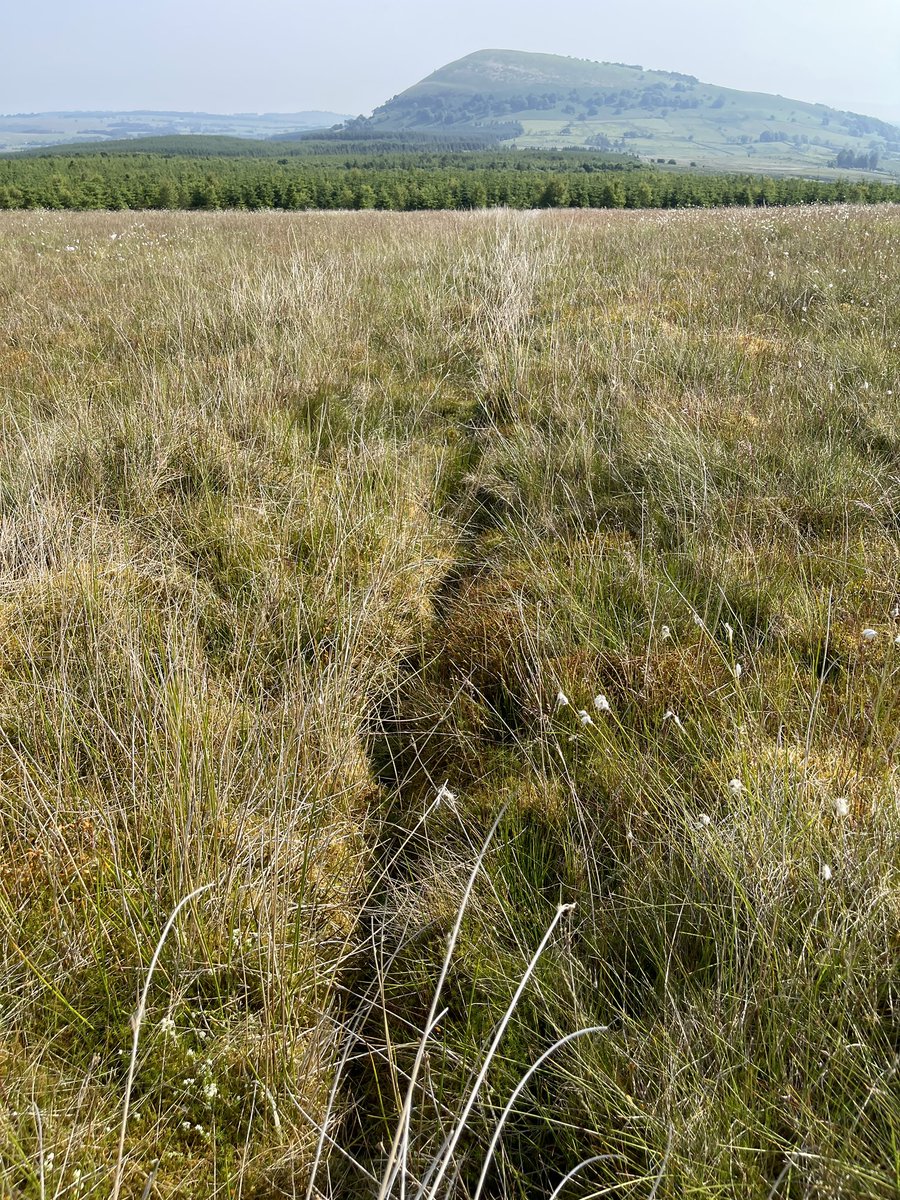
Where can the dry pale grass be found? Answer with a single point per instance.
(301, 516)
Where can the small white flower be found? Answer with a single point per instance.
(562, 700)
(665, 633)
(210, 1090)
(825, 873)
(585, 717)
(735, 787)
(601, 703)
(842, 806)
(869, 635)
(704, 819)
(167, 1026)
(444, 795)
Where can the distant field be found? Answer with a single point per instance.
(714, 155)
(649, 136)
(449, 705)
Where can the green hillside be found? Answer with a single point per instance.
(548, 100)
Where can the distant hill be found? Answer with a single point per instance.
(545, 100)
(21, 131)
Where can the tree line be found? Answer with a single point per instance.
(157, 182)
(866, 160)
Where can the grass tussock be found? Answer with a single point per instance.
(459, 654)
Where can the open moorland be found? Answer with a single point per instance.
(448, 705)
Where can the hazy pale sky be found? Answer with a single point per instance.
(350, 55)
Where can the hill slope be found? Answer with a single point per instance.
(547, 99)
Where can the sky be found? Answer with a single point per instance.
(348, 56)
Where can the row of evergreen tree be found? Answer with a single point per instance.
(866, 160)
(171, 183)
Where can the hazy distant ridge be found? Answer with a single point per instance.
(19, 131)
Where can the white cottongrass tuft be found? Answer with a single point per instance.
(842, 806)
(825, 873)
(602, 704)
(444, 795)
(136, 1021)
(735, 787)
(704, 819)
(562, 700)
(869, 635)
(671, 715)
(738, 670)
(585, 717)
(665, 633)
(729, 632)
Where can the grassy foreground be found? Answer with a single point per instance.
(388, 598)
